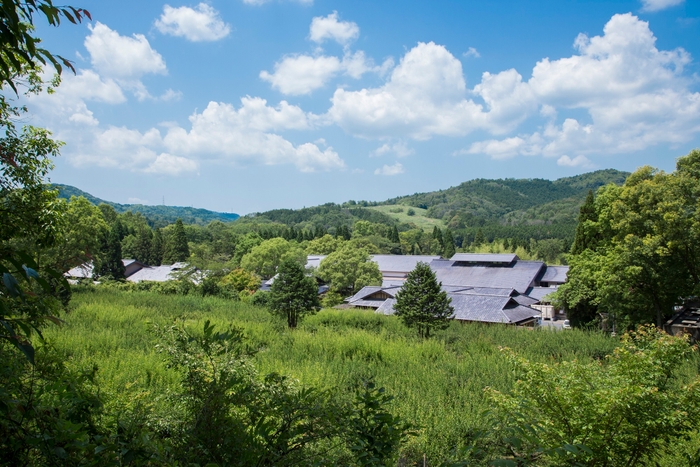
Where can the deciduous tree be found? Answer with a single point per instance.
(265, 258)
(349, 269)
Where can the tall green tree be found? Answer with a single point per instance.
(449, 241)
(421, 303)
(348, 269)
(110, 264)
(586, 233)
(293, 294)
(645, 260)
(266, 258)
(394, 235)
(176, 247)
(157, 249)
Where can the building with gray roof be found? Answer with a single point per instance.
(492, 288)
(85, 270)
(519, 275)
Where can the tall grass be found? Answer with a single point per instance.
(438, 383)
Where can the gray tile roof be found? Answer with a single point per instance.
(519, 275)
(313, 261)
(84, 271)
(155, 273)
(402, 264)
(387, 308)
(555, 274)
(538, 293)
(366, 291)
(483, 308)
(525, 300)
(485, 257)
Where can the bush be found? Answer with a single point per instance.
(260, 298)
(331, 299)
(411, 212)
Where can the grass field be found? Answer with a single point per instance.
(419, 219)
(438, 383)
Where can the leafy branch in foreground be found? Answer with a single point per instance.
(625, 410)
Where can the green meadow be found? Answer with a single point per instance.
(400, 213)
(438, 383)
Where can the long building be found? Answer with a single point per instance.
(492, 288)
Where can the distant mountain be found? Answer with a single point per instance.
(504, 208)
(158, 216)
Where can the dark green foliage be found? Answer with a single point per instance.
(110, 265)
(176, 248)
(643, 259)
(293, 294)
(394, 237)
(585, 236)
(449, 241)
(376, 434)
(421, 303)
(232, 416)
(479, 237)
(157, 249)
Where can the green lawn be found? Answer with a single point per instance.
(419, 219)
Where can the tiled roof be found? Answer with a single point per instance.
(401, 263)
(369, 290)
(555, 274)
(83, 271)
(314, 261)
(155, 273)
(518, 275)
(485, 258)
(483, 308)
(538, 293)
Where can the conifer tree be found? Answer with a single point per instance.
(421, 303)
(449, 244)
(293, 294)
(111, 264)
(157, 249)
(585, 236)
(176, 248)
(479, 237)
(395, 235)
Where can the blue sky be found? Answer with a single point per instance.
(248, 105)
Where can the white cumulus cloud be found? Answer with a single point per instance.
(627, 93)
(303, 74)
(122, 57)
(329, 28)
(657, 5)
(243, 135)
(168, 164)
(472, 52)
(399, 149)
(199, 24)
(578, 161)
(390, 170)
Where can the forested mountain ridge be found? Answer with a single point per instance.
(492, 199)
(503, 208)
(158, 216)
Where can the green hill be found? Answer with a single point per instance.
(158, 216)
(504, 208)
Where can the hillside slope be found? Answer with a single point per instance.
(158, 216)
(505, 208)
